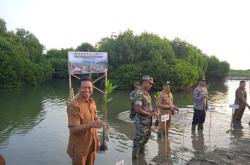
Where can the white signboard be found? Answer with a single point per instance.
(165, 117)
(87, 62)
(211, 109)
(121, 162)
(183, 110)
(234, 106)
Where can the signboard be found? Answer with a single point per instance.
(234, 106)
(165, 117)
(121, 162)
(211, 109)
(183, 110)
(87, 62)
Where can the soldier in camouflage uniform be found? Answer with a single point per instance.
(143, 117)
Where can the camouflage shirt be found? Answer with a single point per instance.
(143, 99)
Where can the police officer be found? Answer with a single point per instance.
(200, 95)
(143, 117)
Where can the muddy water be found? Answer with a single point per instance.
(33, 129)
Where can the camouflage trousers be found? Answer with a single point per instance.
(143, 131)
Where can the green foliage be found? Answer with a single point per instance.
(109, 88)
(17, 66)
(60, 67)
(86, 47)
(3, 28)
(157, 95)
(216, 70)
(130, 57)
(35, 49)
(185, 74)
(239, 73)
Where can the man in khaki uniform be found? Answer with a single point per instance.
(165, 103)
(241, 100)
(83, 123)
(2, 161)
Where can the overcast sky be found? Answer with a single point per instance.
(217, 27)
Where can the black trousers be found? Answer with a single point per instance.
(199, 116)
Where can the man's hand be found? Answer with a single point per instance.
(97, 124)
(155, 113)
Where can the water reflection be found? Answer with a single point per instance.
(198, 142)
(33, 127)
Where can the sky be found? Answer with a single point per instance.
(217, 27)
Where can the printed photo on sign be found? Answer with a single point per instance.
(87, 62)
(120, 162)
(183, 110)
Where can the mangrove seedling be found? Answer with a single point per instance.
(105, 100)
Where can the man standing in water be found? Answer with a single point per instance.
(136, 87)
(200, 95)
(83, 123)
(241, 100)
(165, 103)
(143, 117)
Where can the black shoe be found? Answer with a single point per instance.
(135, 154)
(193, 128)
(142, 149)
(200, 127)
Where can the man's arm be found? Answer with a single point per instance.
(74, 121)
(82, 127)
(139, 110)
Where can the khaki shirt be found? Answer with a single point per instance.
(240, 98)
(81, 111)
(166, 99)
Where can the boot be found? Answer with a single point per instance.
(135, 154)
(193, 127)
(200, 127)
(142, 149)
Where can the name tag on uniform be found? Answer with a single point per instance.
(165, 117)
(121, 162)
(234, 106)
(183, 110)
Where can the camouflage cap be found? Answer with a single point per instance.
(148, 78)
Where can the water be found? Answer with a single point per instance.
(33, 127)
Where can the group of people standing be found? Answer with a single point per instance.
(83, 120)
(142, 111)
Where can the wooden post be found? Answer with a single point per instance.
(105, 93)
(70, 85)
(210, 125)
(165, 128)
